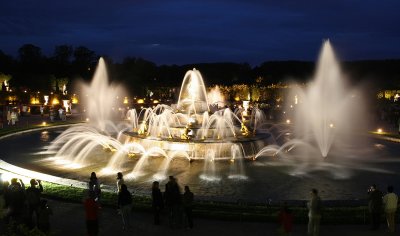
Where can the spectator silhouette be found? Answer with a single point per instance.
(125, 205)
(285, 219)
(390, 201)
(3, 202)
(33, 195)
(44, 213)
(16, 200)
(188, 198)
(314, 213)
(120, 181)
(173, 202)
(157, 202)
(94, 186)
(92, 214)
(375, 206)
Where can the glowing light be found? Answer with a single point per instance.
(44, 123)
(140, 101)
(55, 101)
(155, 101)
(46, 99)
(331, 125)
(126, 100)
(191, 120)
(287, 121)
(179, 147)
(9, 171)
(74, 99)
(379, 130)
(87, 119)
(35, 100)
(66, 105)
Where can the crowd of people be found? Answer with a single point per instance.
(179, 206)
(377, 203)
(388, 202)
(25, 206)
(21, 205)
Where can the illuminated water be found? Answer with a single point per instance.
(266, 178)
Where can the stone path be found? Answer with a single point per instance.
(68, 219)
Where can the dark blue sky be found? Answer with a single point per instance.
(184, 31)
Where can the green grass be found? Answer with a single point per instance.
(11, 129)
(386, 134)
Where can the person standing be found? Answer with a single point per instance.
(16, 198)
(157, 202)
(285, 218)
(33, 195)
(125, 205)
(314, 213)
(41, 110)
(92, 215)
(44, 213)
(14, 117)
(188, 198)
(390, 205)
(94, 186)
(120, 181)
(52, 114)
(173, 202)
(60, 113)
(375, 206)
(8, 117)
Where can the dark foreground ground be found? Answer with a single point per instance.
(69, 219)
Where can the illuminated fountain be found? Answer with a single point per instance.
(187, 130)
(201, 143)
(325, 118)
(100, 98)
(190, 130)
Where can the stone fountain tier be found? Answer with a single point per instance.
(198, 133)
(198, 149)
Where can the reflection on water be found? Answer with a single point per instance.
(44, 136)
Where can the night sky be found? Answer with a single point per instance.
(185, 31)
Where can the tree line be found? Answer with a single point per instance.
(33, 70)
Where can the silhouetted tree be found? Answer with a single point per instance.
(33, 70)
(61, 60)
(7, 63)
(84, 62)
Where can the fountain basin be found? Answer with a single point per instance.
(196, 149)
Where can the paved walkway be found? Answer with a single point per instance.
(32, 120)
(68, 219)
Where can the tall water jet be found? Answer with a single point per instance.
(100, 98)
(325, 108)
(193, 95)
